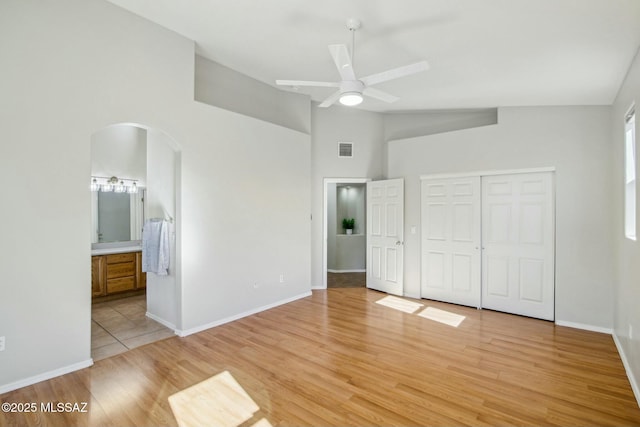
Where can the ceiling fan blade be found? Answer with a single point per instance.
(331, 99)
(378, 94)
(342, 59)
(395, 73)
(306, 83)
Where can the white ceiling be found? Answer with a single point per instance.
(483, 53)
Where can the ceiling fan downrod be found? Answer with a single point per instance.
(353, 25)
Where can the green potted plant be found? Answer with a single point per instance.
(348, 224)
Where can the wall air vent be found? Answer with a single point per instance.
(345, 149)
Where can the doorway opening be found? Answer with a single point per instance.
(130, 305)
(344, 242)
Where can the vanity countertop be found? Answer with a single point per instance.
(116, 250)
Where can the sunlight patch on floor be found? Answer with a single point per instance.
(442, 316)
(399, 304)
(217, 401)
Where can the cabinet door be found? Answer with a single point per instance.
(141, 277)
(98, 276)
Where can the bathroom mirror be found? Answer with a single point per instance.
(117, 217)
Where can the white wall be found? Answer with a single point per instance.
(574, 140)
(627, 297)
(245, 216)
(162, 291)
(328, 127)
(120, 150)
(71, 68)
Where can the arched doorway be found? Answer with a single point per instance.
(130, 307)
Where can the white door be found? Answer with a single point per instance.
(451, 240)
(518, 244)
(385, 235)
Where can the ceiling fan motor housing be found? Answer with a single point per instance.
(351, 86)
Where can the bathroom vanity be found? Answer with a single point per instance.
(117, 271)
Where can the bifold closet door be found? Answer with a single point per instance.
(451, 240)
(518, 244)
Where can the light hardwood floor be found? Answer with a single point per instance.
(338, 358)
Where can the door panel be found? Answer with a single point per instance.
(451, 240)
(518, 252)
(385, 235)
(497, 275)
(461, 280)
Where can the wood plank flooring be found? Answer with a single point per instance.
(338, 358)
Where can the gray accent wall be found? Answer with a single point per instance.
(223, 87)
(420, 123)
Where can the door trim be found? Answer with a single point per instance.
(487, 173)
(325, 186)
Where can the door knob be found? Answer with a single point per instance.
(398, 242)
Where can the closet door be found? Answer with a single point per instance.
(450, 265)
(518, 244)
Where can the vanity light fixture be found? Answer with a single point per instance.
(115, 184)
(120, 187)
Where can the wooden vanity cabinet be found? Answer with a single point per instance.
(98, 276)
(141, 279)
(116, 273)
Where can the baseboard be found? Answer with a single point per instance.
(346, 271)
(186, 332)
(627, 368)
(318, 288)
(45, 376)
(585, 327)
(161, 321)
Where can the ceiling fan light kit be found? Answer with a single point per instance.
(350, 99)
(352, 89)
(351, 92)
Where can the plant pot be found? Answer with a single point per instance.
(349, 231)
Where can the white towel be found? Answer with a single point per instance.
(155, 247)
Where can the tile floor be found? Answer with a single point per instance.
(120, 325)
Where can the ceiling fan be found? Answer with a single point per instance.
(350, 88)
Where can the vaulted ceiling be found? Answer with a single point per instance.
(482, 53)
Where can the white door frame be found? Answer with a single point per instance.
(325, 224)
(487, 173)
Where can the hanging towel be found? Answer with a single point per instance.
(155, 247)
